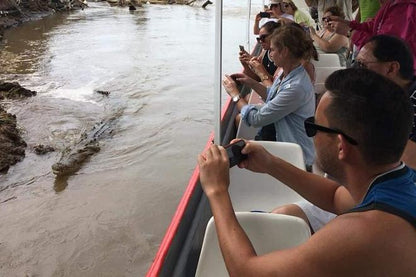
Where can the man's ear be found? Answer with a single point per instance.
(393, 69)
(344, 148)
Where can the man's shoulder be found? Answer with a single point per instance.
(360, 242)
(368, 227)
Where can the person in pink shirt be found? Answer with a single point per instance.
(395, 17)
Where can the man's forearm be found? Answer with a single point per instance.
(235, 246)
(316, 189)
(256, 27)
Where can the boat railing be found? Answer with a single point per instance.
(179, 252)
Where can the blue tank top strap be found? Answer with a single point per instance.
(394, 193)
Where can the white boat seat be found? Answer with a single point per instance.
(327, 60)
(267, 233)
(257, 191)
(321, 74)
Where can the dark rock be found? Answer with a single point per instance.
(12, 146)
(14, 91)
(41, 149)
(103, 92)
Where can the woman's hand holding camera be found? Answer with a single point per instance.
(244, 57)
(257, 67)
(230, 86)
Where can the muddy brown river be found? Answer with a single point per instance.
(110, 216)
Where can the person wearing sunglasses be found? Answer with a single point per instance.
(327, 40)
(388, 56)
(299, 17)
(395, 17)
(261, 68)
(347, 6)
(391, 57)
(275, 13)
(290, 99)
(360, 130)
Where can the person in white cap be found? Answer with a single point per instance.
(274, 12)
(322, 5)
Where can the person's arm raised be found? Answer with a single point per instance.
(341, 26)
(245, 58)
(323, 192)
(260, 71)
(319, 256)
(253, 84)
(256, 27)
(333, 44)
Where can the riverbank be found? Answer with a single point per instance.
(13, 14)
(12, 145)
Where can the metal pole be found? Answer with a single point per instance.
(248, 25)
(218, 72)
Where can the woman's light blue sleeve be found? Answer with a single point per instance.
(288, 100)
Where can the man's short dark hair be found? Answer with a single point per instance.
(373, 110)
(390, 48)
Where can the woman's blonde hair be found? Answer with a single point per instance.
(295, 39)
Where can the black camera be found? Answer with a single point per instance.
(234, 152)
(264, 15)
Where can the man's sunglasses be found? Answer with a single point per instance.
(326, 19)
(274, 6)
(360, 64)
(262, 38)
(312, 128)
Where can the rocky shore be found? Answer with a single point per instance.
(12, 145)
(13, 13)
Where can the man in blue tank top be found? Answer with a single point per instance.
(360, 130)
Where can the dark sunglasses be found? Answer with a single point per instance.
(326, 19)
(312, 128)
(360, 64)
(274, 6)
(262, 38)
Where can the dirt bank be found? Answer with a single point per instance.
(15, 12)
(12, 146)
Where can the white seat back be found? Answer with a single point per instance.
(327, 60)
(267, 233)
(257, 191)
(321, 74)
